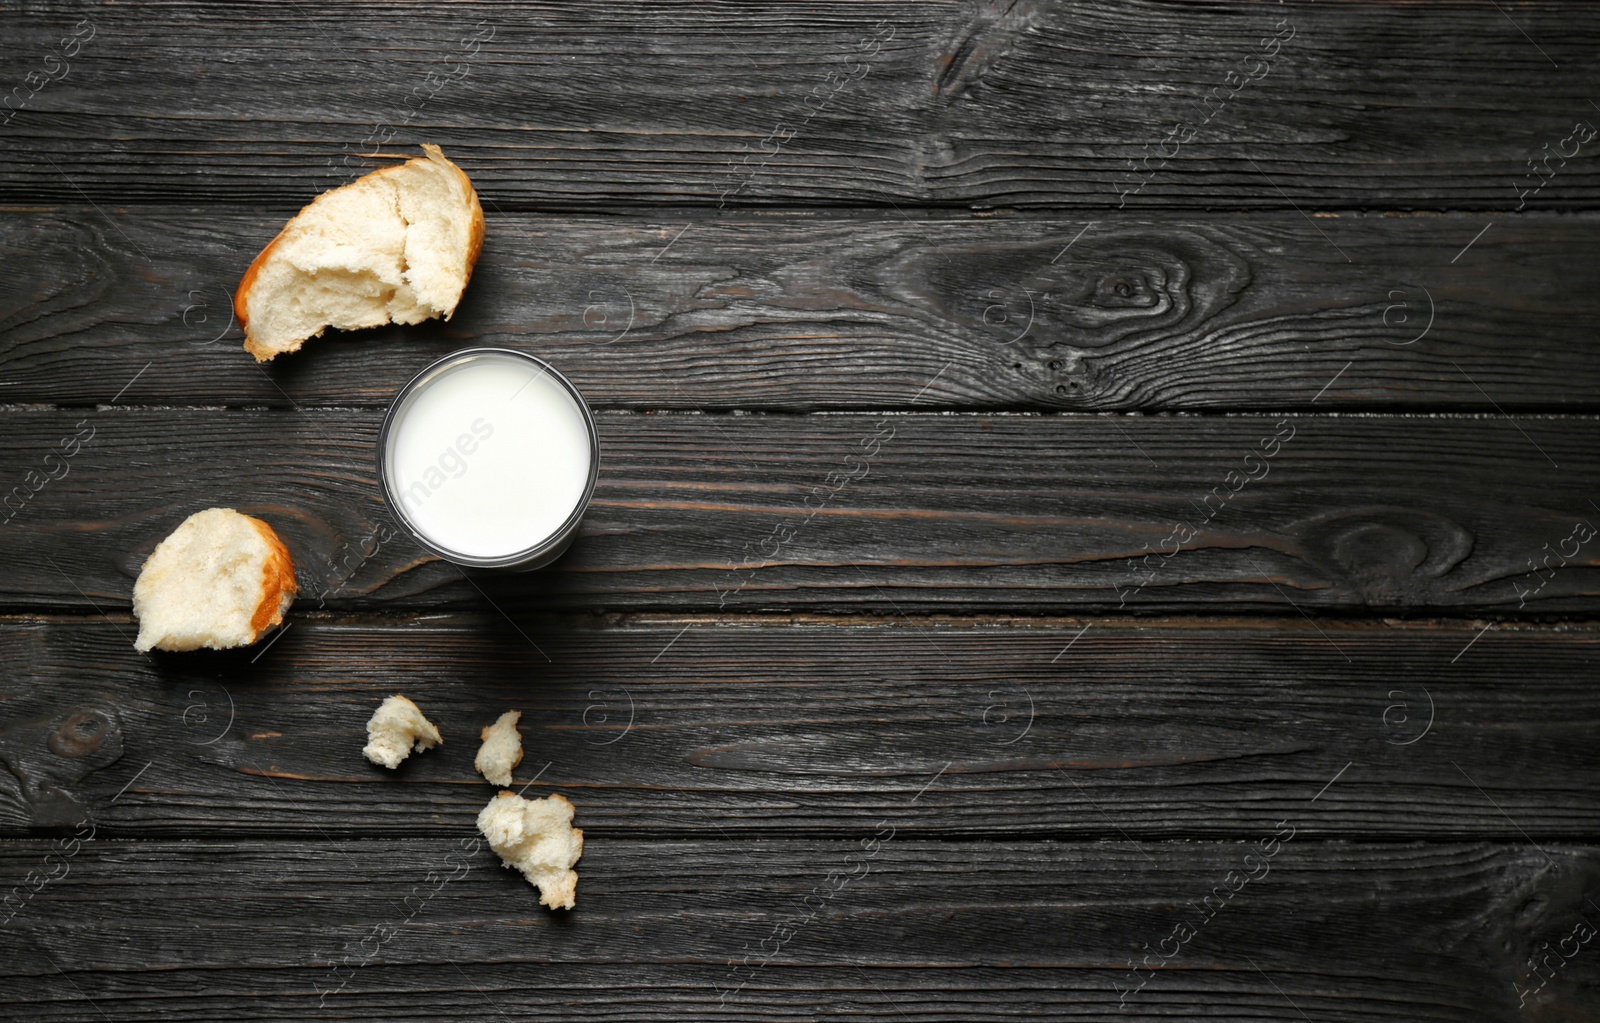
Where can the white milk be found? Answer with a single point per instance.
(488, 457)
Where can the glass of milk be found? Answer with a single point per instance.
(488, 458)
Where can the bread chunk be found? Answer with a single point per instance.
(536, 836)
(396, 727)
(394, 246)
(221, 579)
(501, 750)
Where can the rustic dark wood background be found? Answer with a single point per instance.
(1007, 290)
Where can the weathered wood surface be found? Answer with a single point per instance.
(1078, 729)
(798, 312)
(890, 513)
(1025, 930)
(1364, 105)
(807, 220)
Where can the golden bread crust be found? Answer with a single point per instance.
(242, 293)
(278, 586)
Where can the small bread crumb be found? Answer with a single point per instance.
(501, 750)
(396, 726)
(536, 836)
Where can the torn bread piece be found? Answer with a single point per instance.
(221, 579)
(397, 727)
(394, 246)
(536, 836)
(501, 750)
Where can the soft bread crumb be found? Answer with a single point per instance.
(396, 726)
(394, 246)
(501, 749)
(536, 836)
(221, 579)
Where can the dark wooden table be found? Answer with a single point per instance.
(1097, 518)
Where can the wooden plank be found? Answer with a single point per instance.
(844, 511)
(1337, 931)
(1082, 104)
(804, 726)
(801, 312)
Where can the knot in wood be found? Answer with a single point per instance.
(81, 733)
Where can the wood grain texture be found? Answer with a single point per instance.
(777, 726)
(1367, 105)
(861, 290)
(803, 312)
(857, 512)
(1016, 930)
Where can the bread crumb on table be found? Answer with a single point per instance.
(397, 727)
(501, 750)
(536, 836)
